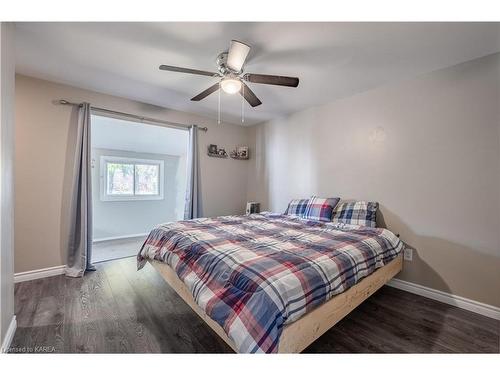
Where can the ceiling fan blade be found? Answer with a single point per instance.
(204, 94)
(187, 70)
(249, 95)
(272, 80)
(237, 55)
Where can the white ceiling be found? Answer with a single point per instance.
(332, 60)
(115, 134)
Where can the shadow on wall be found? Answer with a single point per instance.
(454, 262)
(410, 239)
(259, 182)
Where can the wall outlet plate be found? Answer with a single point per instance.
(408, 254)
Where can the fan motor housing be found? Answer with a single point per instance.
(222, 67)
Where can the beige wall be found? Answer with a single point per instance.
(43, 139)
(7, 65)
(427, 149)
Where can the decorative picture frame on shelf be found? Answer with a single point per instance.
(215, 152)
(241, 153)
(212, 149)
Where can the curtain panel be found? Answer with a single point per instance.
(193, 207)
(80, 228)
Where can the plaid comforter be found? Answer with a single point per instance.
(254, 274)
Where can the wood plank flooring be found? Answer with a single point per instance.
(119, 310)
(116, 249)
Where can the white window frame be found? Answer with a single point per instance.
(103, 174)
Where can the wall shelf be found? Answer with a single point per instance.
(212, 155)
(239, 157)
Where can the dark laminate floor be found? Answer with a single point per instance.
(117, 309)
(116, 249)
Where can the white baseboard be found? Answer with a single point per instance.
(9, 335)
(59, 270)
(96, 240)
(38, 274)
(448, 298)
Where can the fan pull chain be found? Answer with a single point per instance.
(243, 104)
(218, 111)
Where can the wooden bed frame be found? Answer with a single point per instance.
(300, 334)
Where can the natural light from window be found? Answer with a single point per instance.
(131, 179)
(139, 175)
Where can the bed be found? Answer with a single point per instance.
(269, 282)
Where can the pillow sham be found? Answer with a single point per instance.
(320, 208)
(357, 213)
(296, 207)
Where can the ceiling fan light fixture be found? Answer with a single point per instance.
(230, 85)
(231, 76)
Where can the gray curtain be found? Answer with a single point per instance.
(192, 207)
(80, 235)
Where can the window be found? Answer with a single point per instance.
(124, 179)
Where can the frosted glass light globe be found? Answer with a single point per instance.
(230, 85)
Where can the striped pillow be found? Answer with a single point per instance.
(320, 208)
(357, 213)
(296, 207)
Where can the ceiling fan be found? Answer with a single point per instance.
(230, 70)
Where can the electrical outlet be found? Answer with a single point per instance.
(408, 254)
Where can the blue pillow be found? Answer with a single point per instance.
(296, 207)
(320, 209)
(357, 213)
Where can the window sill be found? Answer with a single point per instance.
(131, 199)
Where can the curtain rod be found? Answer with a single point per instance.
(141, 118)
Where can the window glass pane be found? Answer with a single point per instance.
(120, 179)
(147, 179)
